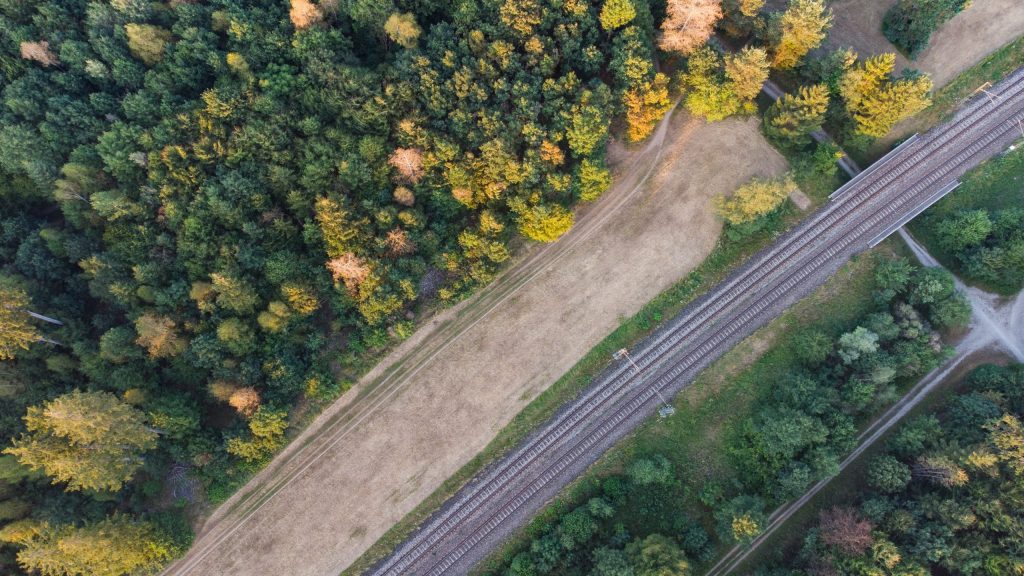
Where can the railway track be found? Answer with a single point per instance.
(659, 355)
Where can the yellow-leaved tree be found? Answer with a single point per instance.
(90, 440)
(16, 330)
(794, 116)
(755, 199)
(747, 71)
(115, 546)
(147, 42)
(266, 435)
(543, 223)
(799, 29)
(616, 14)
(876, 101)
(645, 104)
(402, 29)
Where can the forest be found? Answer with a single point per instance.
(212, 212)
(643, 520)
(215, 215)
(945, 496)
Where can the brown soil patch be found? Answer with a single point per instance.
(955, 46)
(650, 230)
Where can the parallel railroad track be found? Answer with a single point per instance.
(762, 270)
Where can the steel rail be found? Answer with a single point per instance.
(739, 320)
(668, 339)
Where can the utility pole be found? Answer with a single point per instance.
(666, 409)
(993, 98)
(983, 88)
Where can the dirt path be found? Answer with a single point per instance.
(995, 329)
(956, 46)
(736, 556)
(437, 401)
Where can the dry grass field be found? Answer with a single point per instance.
(381, 453)
(956, 46)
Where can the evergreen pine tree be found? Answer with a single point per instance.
(794, 116)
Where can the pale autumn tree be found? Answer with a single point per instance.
(350, 269)
(39, 52)
(844, 529)
(689, 24)
(409, 164)
(245, 400)
(304, 14)
(398, 242)
(404, 196)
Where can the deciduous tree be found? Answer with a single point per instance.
(844, 529)
(616, 14)
(90, 440)
(408, 162)
(147, 42)
(266, 435)
(39, 52)
(645, 105)
(688, 24)
(657, 555)
(159, 336)
(1007, 438)
(115, 546)
(750, 8)
(754, 199)
(909, 23)
(747, 71)
(402, 29)
(544, 223)
(708, 94)
(799, 29)
(875, 101)
(304, 13)
(16, 329)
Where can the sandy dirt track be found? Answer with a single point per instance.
(956, 46)
(486, 361)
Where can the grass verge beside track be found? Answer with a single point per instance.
(726, 256)
(692, 439)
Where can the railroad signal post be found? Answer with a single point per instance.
(666, 409)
